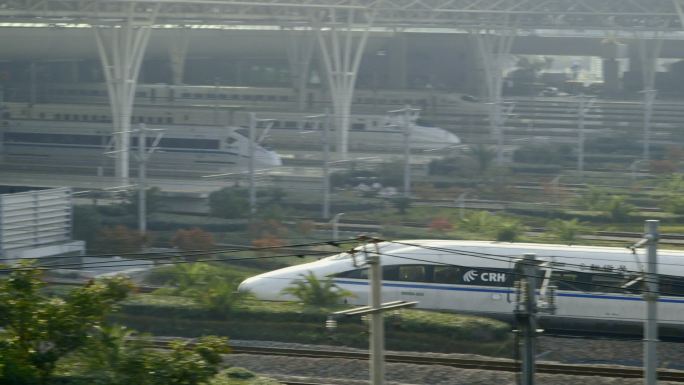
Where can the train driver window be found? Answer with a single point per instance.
(354, 274)
(445, 274)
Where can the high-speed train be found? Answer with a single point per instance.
(596, 286)
(288, 129)
(81, 147)
(288, 98)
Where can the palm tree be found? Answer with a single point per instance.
(316, 292)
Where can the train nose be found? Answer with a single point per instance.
(275, 158)
(262, 288)
(248, 285)
(269, 158)
(452, 139)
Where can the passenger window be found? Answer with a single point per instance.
(671, 286)
(412, 273)
(358, 126)
(445, 274)
(608, 283)
(570, 280)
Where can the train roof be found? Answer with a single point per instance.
(532, 247)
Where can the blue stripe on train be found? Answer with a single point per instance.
(506, 291)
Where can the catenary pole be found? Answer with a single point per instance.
(377, 327)
(651, 297)
(530, 272)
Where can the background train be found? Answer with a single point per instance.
(286, 98)
(597, 286)
(81, 146)
(291, 130)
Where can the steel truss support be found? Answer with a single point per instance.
(493, 48)
(178, 50)
(341, 46)
(121, 45)
(300, 51)
(650, 45)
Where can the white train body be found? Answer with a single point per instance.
(208, 105)
(289, 130)
(281, 97)
(81, 146)
(477, 277)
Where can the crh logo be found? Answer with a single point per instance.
(473, 275)
(470, 276)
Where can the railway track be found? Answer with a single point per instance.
(463, 363)
(467, 363)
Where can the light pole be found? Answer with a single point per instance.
(585, 104)
(250, 165)
(335, 222)
(143, 157)
(407, 117)
(325, 141)
(461, 204)
(649, 99)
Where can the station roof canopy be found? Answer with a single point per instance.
(612, 15)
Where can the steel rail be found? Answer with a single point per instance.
(463, 363)
(466, 363)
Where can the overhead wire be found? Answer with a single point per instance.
(229, 249)
(510, 258)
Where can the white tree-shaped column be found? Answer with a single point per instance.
(121, 45)
(342, 37)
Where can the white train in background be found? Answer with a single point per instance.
(596, 286)
(289, 130)
(286, 98)
(81, 147)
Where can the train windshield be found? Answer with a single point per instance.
(339, 256)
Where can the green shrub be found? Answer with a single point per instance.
(565, 231)
(239, 373)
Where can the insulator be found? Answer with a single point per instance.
(552, 297)
(331, 324)
(517, 286)
(524, 293)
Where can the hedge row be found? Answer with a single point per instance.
(346, 334)
(408, 329)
